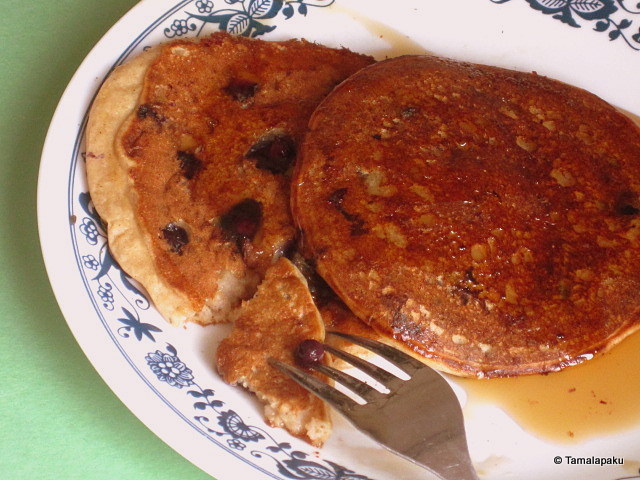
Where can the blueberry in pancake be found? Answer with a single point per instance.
(191, 149)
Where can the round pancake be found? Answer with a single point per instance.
(489, 219)
(190, 149)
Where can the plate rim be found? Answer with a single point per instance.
(43, 228)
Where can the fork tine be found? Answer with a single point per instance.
(367, 392)
(388, 379)
(400, 359)
(335, 398)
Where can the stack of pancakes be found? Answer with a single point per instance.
(487, 221)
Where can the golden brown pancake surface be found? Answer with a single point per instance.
(207, 151)
(489, 219)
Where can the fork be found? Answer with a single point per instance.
(419, 419)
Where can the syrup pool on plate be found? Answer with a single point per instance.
(588, 400)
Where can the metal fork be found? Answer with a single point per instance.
(419, 419)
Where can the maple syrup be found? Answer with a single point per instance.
(599, 396)
(398, 42)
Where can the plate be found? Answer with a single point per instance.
(166, 375)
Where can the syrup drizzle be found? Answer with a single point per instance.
(599, 396)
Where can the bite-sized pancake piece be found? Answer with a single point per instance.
(272, 324)
(190, 149)
(487, 218)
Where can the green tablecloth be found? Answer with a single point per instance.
(58, 419)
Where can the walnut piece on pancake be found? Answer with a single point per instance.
(273, 323)
(192, 145)
(488, 219)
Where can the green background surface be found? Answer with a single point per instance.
(58, 419)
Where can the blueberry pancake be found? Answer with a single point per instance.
(189, 155)
(280, 316)
(488, 219)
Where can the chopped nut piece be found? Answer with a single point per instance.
(510, 294)
(563, 177)
(479, 252)
(526, 144)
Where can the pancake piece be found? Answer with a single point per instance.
(272, 324)
(489, 219)
(189, 152)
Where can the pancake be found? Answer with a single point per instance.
(272, 324)
(486, 218)
(189, 155)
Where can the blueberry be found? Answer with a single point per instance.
(309, 352)
(149, 111)
(190, 165)
(243, 220)
(176, 237)
(274, 152)
(241, 90)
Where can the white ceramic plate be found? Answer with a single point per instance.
(590, 43)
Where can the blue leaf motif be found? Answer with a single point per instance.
(587, 6)
(288, 11)
(105, 265)
(565, 17)
(238, 24)
(593, 9)
(344, 474)
(141, 302)
(139, 328)
(310, 470)
(260, 29)
(264, 8)
(549, 6)
(601, 26)
(625, 23)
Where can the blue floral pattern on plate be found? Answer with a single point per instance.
(123, 307)
(239, 435)
(605, 13)
(239, 17)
